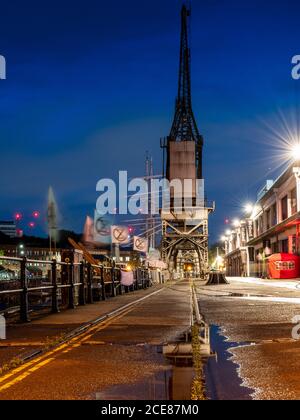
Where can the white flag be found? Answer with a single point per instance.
(140, 244)
(127, 278)
(102, 229)
(119, 235)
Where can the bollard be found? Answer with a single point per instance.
(90, 298)
(24, 304)
(71, 289)
(82, 285)
(55, 305)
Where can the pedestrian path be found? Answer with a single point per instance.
(22, 339)
(283, 284)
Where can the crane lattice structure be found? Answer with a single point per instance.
(185, 230)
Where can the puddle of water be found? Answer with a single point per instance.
(172, 384)
(241, 295)
(175, 381)
(221, 374)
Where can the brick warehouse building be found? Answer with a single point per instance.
(273, 227)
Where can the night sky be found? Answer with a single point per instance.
(91, 87)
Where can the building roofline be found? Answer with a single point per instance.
(281, 178)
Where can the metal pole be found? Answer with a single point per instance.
(24, 304)
(113, 291)
(71, 290)
(82, 301)
(103, 284)
(55, 305)
(90, 283)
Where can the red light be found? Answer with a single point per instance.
(18, 216)
(20, 233)
(36, 214)
(130, 230)
(31, 225)
(227, 221)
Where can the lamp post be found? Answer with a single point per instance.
(20, 250)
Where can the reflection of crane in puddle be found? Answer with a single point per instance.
(181, 352)
(183, 349)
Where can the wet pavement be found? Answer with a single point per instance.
(23, 339)
(259, 323)
(250, 325)
(114, 359)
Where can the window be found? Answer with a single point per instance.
(251, 254)
(256, 228)
(294, 200)
(268, 218)
(274, 215)
(284, 208)
(261, 224)
(285, 246)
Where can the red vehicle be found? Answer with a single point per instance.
(284, 266)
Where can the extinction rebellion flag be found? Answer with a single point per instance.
(140, 244)
(119, 235)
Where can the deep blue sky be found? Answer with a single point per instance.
(91, 87)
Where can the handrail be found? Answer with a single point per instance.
(83, 283)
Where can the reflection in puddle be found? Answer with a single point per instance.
(175, 381)
(221, 374)
(169, 385)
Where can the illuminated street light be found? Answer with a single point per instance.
(20, 250)
(228, 232)
(236, 223)
(249, 208)
(295, 152)
(223, 238)
(128, 267)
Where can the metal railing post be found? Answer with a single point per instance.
(72, 288)
(55, 306)
(24, 304)
(103, 284)
(113, 273)
(82, 301)
(90, 298)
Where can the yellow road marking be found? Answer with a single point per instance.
(81, 339)
(24, 375)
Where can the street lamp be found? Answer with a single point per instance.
(20, 250)
(295, 152)
(236, 223)
(249, 208)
